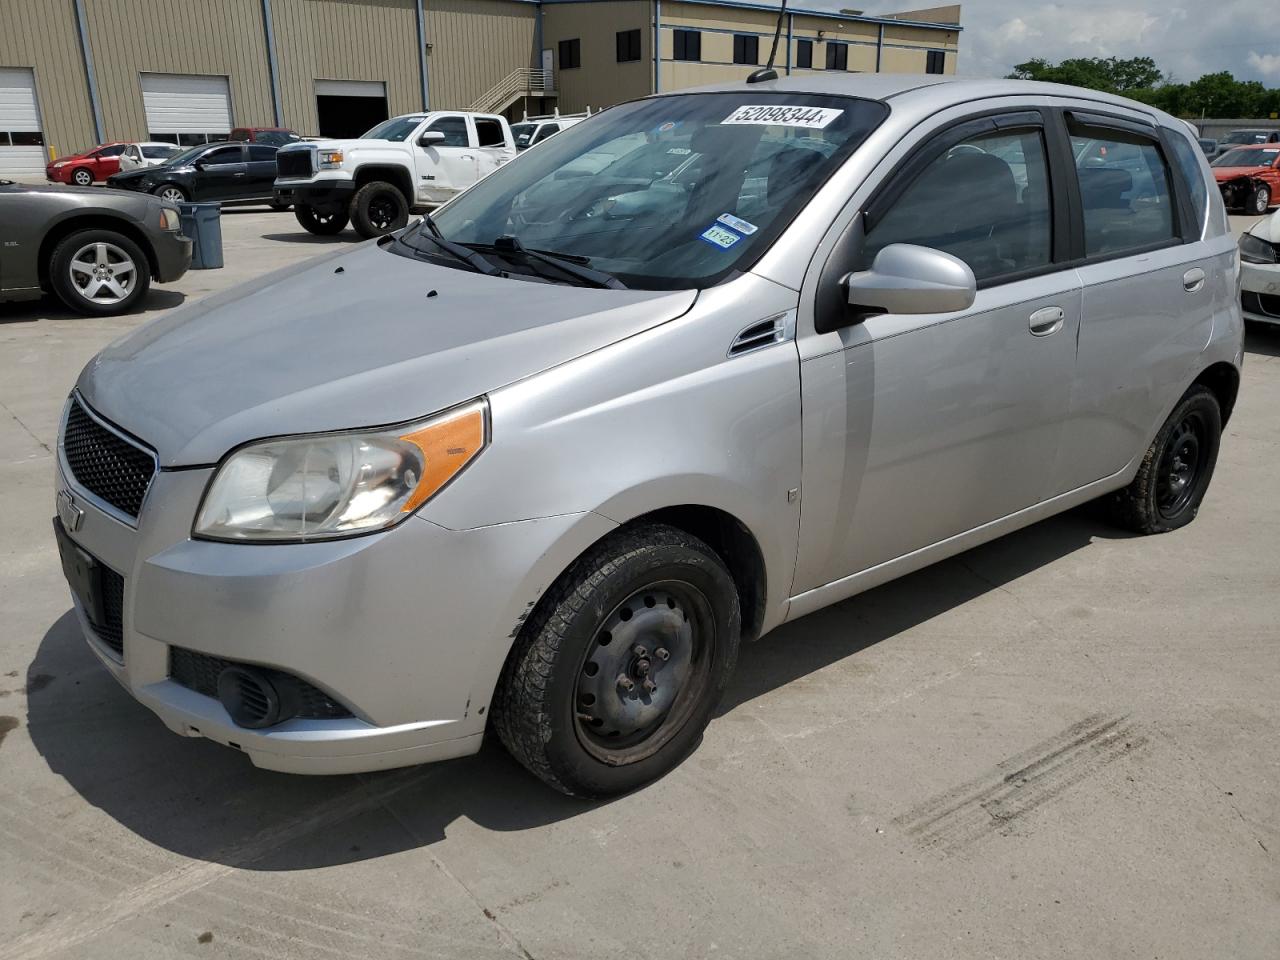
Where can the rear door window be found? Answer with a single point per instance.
(262, 152)
(985, 200)
(489, 133)
(454, 130)
(1125, 189)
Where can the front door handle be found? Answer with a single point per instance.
(1047, 321)
(1193, 280)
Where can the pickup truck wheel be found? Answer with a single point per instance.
(1177, 468)
(616, 674)
(322, 224)
(99, 272)
(1260, 200)
(377, 209)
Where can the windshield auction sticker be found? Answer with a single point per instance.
(810, 118)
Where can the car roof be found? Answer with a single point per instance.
(1255, 146)
(932, 90)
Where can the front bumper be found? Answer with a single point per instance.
(408, 628)
(1260, 292)
(173, 255)
(328, 193)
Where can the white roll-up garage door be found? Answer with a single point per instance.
(351, 88)
(179, 103)
(21, 139)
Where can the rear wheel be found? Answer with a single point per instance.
(615, 676)
(378, 208)
(1176, 471)
(99, 272)
(323, 223)
(1260, 200)
(82, 177)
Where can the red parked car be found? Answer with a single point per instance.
(272, 136)
(1249, 177)
(85, 168)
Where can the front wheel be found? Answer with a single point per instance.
(321, 223)
(1175, 473)
(99, 272)
(82, 177)
(378, 208)
(1260, 200)
(171, 193)
(615, 676)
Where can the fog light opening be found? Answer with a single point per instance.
(250, 698)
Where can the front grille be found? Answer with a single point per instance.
(1265, 304)
(200, 672)
(105, 463)
(111, 630)
(293, 164)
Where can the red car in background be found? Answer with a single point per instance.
(1249, 177)
(89, 167)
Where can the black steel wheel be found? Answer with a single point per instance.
(323, 223)
(1175, 473)
(378, 208)
(615, 676)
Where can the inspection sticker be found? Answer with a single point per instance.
(811, 118)
(719, 237)
(737, 223)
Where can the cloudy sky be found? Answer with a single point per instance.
(1185, 37)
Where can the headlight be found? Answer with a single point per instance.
(326, 486)
(330, 158)
(170, 219)
(1256, 250)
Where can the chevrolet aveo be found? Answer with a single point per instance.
(541, 463)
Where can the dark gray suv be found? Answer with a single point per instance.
(98, 250)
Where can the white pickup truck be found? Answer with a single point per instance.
(403, 165)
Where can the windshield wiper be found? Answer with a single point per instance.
(565, 263)
(468, 256)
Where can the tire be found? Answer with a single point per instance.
(651, 605)
(84, 262)
(1259, 201)
(378, 208)
(171, 192)
(82, 177)
(321, 224)
(1175, 473)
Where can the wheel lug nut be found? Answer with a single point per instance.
(649, 685)
(626, 683)
(639, 651)
(662, 653)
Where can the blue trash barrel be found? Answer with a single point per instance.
(202, 222)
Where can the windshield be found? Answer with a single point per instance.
(670, 192)
(523, 132)
(1246, 136)
(186, 156)
(397, 129)
(1247, 158)
(158, 153)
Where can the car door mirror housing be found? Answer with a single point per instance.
(431, 138)
(909, 279)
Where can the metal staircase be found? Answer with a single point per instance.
(524, 82)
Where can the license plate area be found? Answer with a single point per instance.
(83, 573)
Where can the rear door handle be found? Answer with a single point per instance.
(1193, 280)
(1047, 321)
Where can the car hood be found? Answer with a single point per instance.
(352, 339)
(1222, 174)
(1268, 228)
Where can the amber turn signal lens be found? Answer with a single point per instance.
(447, 446)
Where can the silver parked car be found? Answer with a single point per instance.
(546, 472)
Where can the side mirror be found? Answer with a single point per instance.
(905, 278)
(431, 137)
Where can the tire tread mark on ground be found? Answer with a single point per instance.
(1018, 785)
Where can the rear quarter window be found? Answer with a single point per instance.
(1187, 165)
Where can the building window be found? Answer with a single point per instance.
(570, 54)
(804, 54)
(935, 61)
(688, 45)
(628, 46)
(837, 55)
(746, 49)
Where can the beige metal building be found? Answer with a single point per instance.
(78, 72)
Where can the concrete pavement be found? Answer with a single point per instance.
(1062, 744)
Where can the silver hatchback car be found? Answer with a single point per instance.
(543, 461)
